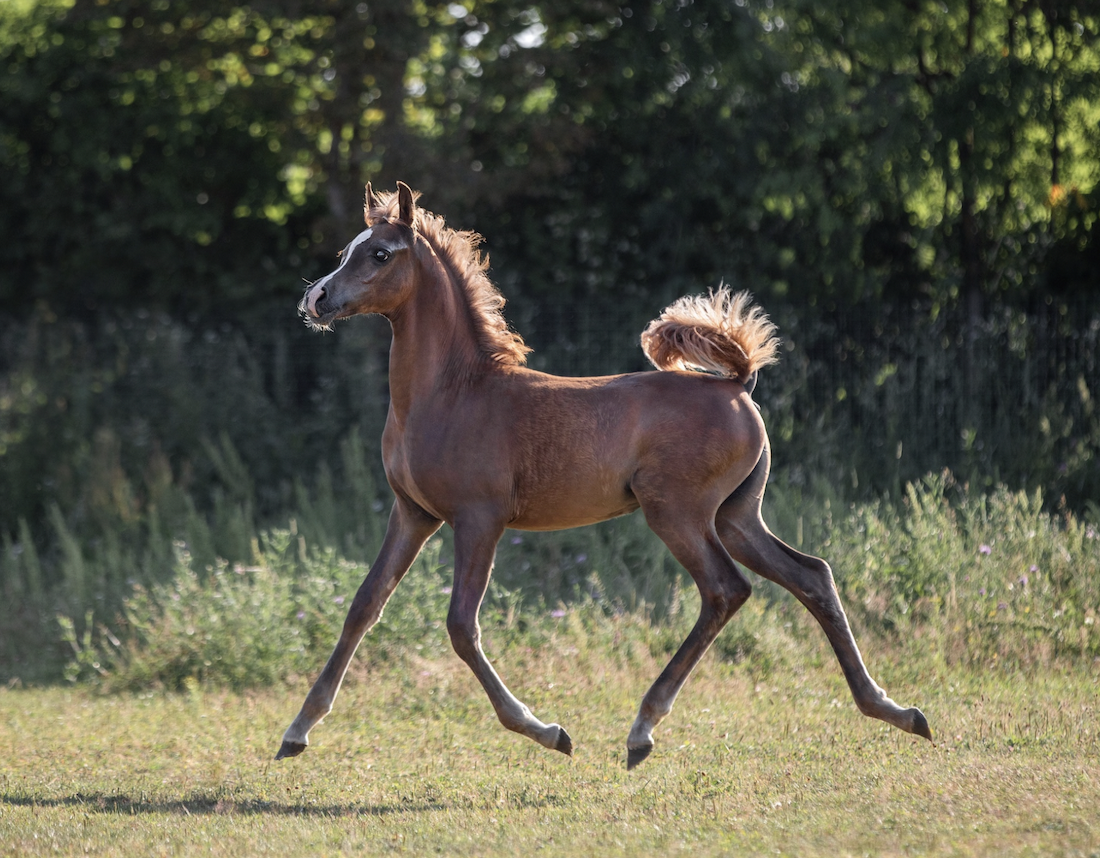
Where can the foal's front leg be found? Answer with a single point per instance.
(475, 546)
(408, 530)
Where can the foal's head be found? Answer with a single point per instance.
(375, 272)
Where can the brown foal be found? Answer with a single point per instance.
(476, 440)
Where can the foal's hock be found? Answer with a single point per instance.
(476, 440)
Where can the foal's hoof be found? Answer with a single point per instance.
(290, 749)
(636, 755)
(920, 725)
(564, 743)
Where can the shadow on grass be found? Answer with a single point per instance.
(201, 805)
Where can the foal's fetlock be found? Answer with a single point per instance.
(552, 736)
(910, 720)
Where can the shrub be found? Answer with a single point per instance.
(984, 576)
(975, 578)
(249, 625)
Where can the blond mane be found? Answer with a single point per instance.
(460, 252)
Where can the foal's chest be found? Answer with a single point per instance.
(439, 467)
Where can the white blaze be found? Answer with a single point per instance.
(315, 289)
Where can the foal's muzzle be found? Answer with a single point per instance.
(314, 307)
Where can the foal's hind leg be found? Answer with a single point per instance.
(723, 589)
(475, 546)
(811, 581)
(406, 533)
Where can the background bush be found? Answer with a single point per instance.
(982, 580)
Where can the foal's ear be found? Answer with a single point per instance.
(370, 201)
(406, 205)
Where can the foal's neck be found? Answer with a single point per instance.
(435, 347)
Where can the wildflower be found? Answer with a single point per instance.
(984, 549)
(1033, 569)
(1023, 580)
(446, 591)
(981, 592)
(1001, 606)
(557, 613)
(301, 615)
(339, 600)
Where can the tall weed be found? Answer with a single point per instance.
(981, 576)
(978, 578)
(239, 625)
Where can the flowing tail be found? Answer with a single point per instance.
(721, 332)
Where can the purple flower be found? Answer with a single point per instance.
(446, 591)
(1023, 580)
(339, 600)
(981, 592)
(1033, 569)
(301, 615)
(1001, 606)
(984, 549)
(557, 613)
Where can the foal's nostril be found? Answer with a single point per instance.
(315, 297)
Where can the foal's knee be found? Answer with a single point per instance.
(727, 601)
(739, 596)
(465, 637)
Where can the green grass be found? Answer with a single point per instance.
(412, 761)
(979, 608)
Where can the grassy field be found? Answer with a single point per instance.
(412, 761)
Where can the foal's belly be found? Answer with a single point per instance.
(576, 514)
(571, 499)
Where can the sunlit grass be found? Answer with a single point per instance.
(413, 761)
(764, 753)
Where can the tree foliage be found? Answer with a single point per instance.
(860, 167)
(193, 154)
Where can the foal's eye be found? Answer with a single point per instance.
(381, 255)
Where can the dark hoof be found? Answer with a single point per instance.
(564, 743)
(920, 725)
(290, 749)
(636, 755)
